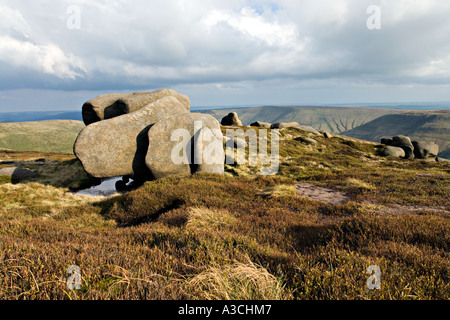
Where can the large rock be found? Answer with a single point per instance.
(112, 105)
(424, 150)
(94, 110)
(390, 151)
(296, 125)
(231, 119)
(282, 125)
(404, 143)
(386, 141)
(260, 124)
(117, 146)
(19, 173)
(177, 144)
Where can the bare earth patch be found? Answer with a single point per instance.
(313, 192)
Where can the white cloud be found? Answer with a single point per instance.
(140, 44)
(47, 58)
(255, 27)
(19, 49)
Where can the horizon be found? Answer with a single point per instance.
(76, 114)
(242, 52)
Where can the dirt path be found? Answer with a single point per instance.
(334, 197)
(314, 192)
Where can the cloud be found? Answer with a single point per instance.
(20, 48)
(138, 44)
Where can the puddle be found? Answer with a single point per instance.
(106, 188)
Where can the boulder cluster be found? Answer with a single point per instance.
(132, 135)
(232, 119)
(402, 147)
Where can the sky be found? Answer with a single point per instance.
(57, 54)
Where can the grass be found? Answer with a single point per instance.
(237, 236)
(40, 136)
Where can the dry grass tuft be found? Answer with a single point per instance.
(278, 191)
(239, 281)
(352, 182)
(210, 219)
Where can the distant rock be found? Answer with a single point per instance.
(282, 125)
(328, 135)
(390, 151)
(296, 125)
(231, 119)
(260, 124)
(424, 150)
(404, 142)
(118, 146)
(306, 140)
(309, 129)
(172, 141)
(15, 172)
(112, 105)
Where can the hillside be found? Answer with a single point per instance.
(433, 126)
(43, 136)
(309, 232)
(333, 119)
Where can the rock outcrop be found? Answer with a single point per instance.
(260, 124)
(282, 125)
(113, 105)
(18, 173)
(390, 151)
(117, 146)
(404, 142)
(231, 119)
(138, 136)
(185, 144)
(425, 150)
(296, 125)
(411, 149)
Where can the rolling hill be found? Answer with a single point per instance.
(42, 136)
(433, 126)
(333, 119)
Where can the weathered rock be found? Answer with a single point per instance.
(231, 119)
(424, 150)
(94, 110)
(390, 151)
(386, 141)
(112, 105)
(260, 124)
(180, 145)
(306, 140)
(117, 146)
(282, 125)
(309, 129)
(296, 125)
(404, 143)
(328, 135)
(19, 173)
